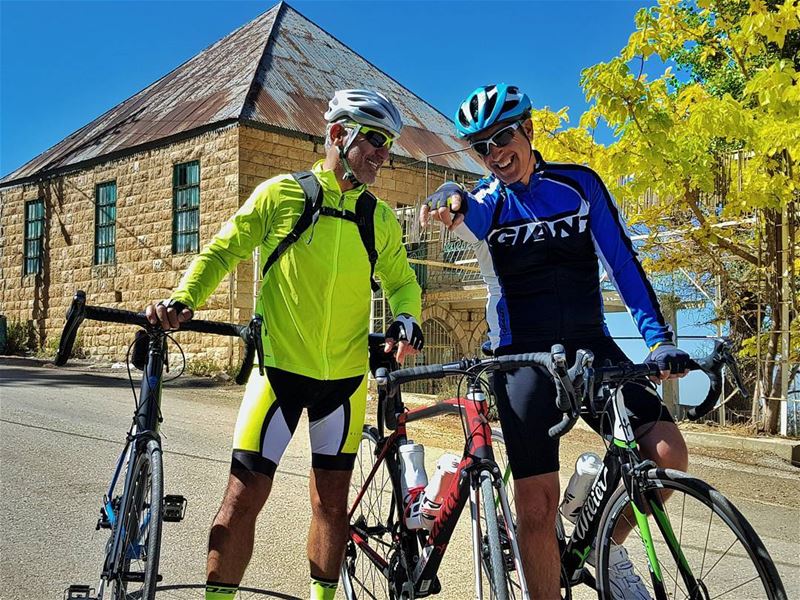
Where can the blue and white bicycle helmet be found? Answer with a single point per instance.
(489, 105)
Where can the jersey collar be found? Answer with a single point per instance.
(327, 180)
(537, 170)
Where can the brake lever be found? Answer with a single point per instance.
(729, 361)
(559, 369)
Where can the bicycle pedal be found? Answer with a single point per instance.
(174, 508)
(79, 592)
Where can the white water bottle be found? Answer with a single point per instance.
(413, 480)
(437, 488)
(587, 467)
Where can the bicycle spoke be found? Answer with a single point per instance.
(733, 589)
(698, 540)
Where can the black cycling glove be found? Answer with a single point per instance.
(406, 329)
(669, 357)
(441, 197)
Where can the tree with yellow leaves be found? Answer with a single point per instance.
(704, 101)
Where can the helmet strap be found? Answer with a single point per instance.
(348, 172)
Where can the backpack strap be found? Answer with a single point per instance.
(365, 219)
(312, 191)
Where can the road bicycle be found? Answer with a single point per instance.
(386, 559)
(134, 507)
(687, 540)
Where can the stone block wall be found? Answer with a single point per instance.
(145, 268)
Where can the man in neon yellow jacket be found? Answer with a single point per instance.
(315, 300)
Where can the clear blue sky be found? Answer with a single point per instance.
(64, 63)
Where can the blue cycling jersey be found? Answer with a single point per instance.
(538, 246)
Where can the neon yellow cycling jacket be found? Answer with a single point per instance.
(315, 299)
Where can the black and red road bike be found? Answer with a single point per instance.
(385, 559)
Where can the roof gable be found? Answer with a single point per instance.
(279, 69)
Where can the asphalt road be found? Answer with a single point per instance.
(61, 431)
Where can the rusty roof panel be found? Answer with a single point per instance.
(304, 65)
(279, 69)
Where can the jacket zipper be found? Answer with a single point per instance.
(329, 299)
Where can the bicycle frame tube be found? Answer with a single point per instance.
(623, 443)
(478, 457)
(147, 413)
(146, 424)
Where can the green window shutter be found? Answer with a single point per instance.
(105, 228)
(34, 236)
(186, 207)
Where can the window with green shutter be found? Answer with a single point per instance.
(34, 236)
(186, 207)
(105, 223)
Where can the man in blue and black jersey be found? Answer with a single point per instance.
(538, 230)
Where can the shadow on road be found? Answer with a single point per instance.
(186, 591)
(65, 378)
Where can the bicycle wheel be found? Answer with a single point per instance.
(497, 555)
(501, 458)
(140, 523)
(373, 522)
(704, 546)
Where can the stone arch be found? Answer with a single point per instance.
(448, 319)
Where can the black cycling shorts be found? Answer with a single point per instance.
(271, 409)
(527, 409)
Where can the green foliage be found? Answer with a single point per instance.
(203, 366)
(21, 338)
(51, 347)
(704, 101)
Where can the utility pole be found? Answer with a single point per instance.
(786, 273)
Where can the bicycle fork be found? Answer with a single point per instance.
(661, 518)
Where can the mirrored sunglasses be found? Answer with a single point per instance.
(500, 138)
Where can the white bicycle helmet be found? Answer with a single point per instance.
(365, 107)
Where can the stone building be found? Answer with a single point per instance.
(120, 207)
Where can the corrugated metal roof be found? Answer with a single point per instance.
(280, 70)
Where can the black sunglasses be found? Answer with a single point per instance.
(500, 138)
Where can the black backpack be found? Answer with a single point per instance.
(363, 217)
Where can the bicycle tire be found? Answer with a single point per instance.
(501, 458)
(140, 518)
(492, 554)
(375, 518)
(759, 580)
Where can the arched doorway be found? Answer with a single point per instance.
(440, 347)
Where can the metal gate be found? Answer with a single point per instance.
(440, 347)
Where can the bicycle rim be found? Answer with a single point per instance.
(497, 557)
(140, 520)
(718, 546)
(373, 522)
(501, 458)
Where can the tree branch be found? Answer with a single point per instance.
(690, 197)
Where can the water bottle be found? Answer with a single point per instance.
(587, 467)
(434, 494)
(413, 480)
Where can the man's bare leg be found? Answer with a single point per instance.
(662, 443)
(230, 544)
(536, 502)
(327, 535)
